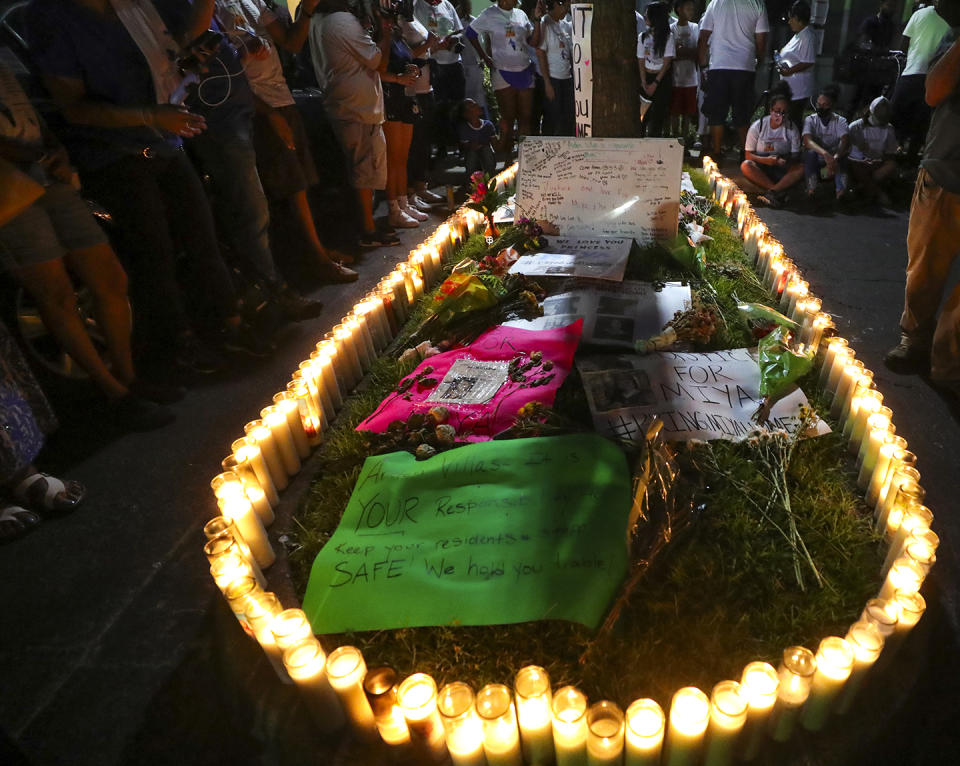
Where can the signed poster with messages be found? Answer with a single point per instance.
(487, 534)
(602, 187)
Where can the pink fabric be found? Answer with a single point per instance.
(480, 422)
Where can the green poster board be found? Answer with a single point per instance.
(491, 533)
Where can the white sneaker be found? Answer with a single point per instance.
(398, 219)
(411, 211)
(419, 204)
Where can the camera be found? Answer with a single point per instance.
(457, 46)
(195, 54)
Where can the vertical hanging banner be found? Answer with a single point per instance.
(582, 14)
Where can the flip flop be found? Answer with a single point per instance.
(42, 492)
(15, 522)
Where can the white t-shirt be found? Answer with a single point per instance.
(871, 142)
(442, 20)
(345, 61)
(265, 75)
(732, 25)
(415, 35)
(685, 74)
(557, 43)
(508, 32)
(802, 49)
(776, 142)
(829, 135)
(645, 50)
(925, 29)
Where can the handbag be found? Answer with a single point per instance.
(18, 191)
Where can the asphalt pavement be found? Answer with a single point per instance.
(116, 647)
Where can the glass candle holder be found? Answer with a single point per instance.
(913, 518)
(226, 484)
(910, 608)
(260, 435)
(843, 356)
(290, 627)
(286, 403)
(796, 677)
(533, 695)
(851, 403)
(890, 453)
(325, 358)
(689, 717)
(248, 454)
(310, 410)
(305, 664)
(845, 381)
(759, 683)
(811, 334)
(251, 488)
(357, 324)
(456, 704)
(380, 686)
(228, 541)
(227, 568)
(903, 489)
(417, 698)
(236, 594)
(345, 671)
(827, 356)
(644, 733)
(276, 421)
(834, 665)
(569, 709)
(904, 575)
(261, 610)
(866, 642)
(879, 428)
(728, 715)
(605, 734)
(501, 737)
(883, 614)
(240, 511)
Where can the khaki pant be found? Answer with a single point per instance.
(933, 242)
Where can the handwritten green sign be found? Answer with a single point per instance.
(491, 533)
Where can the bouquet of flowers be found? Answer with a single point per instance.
(694, 326)
(486, 198)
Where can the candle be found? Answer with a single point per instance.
(460, 721)
(689, 718)
(228, 543)
(902, 490)
(362, 332)
(868, 403)
(240, 511)
(263, 438)
(883, 614)
(372, 309)
(345, 670)
(890, 452)
(841, 358)
(417, 698)
(605, 734)
(226, 484)
(532, 690)
(249, 455)
(807, 310)
(831, 348)
(310, 410)
(834, 664)
(796, 676)
(236, 594)
(325, 361)
(347, 348)
(920, 547)
(812, 331)
(759, 683)
(290, 627)
(228, 567)
(728, 715)
(286, 404)
(501, 738)
(276, 421)
(644, 733)
(879, 429)
(867, 643)
(851, 372)
(569, 710)
(904, 575)
(910, 606)
(380, 687)
(261, 609)
(861, 384)
(401, 300)
(251, 488)
(305, 663)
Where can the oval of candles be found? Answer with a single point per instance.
(796, 676)
(605, 734)
(532, 692)
(464, 734)
(262, 437)
(645, 726)
(834, 664)
(345, 670)
(501, 737)
(305, 663)
(380, 687)
(417, 698)
(276, 421)
(569, 709)
(689, 718)
(759, 683)
(247, 453)
(867, 643)
(240, 510)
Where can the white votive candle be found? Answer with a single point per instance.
(290, 627)
(830, 350)
(883, 614)
(605, 734)
(501, 737)
(225, 569)
(236, 594)
(276, 421)
(287, 403)
(240, 511)
(248, 454)
(689, 717)
(879, 430)
(417, 698)
(345, 671)
(464, 732)
(645, 729)
(229, 543)
(834, 664)
(890, 452)
(759, 683)
(902, 491)
(532, 692)
(867, 643)
(910, 608)
(904, 575)
(569, 709)
(263, 438)
(728, 715)
(796, 676)
(305, 663)
(324, 358)
(251, 488)
(261, 609)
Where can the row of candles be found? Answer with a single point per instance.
(530, 722)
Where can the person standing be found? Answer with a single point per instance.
(686, 78)
(733, 38)
(443, 22)
(472, 68)
(797, 59)
(933, 239)
(556, 44)
(911, 113)
(655, 51)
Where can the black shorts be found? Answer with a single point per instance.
(398, 106)
(283, 171)
(729, 89)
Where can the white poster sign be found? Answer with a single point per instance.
(706, 396)
(613, 315)
(582, 15)
(605, 187)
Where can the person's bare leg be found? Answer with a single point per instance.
(304, 216)
(525, 110)
(99, 269)
(49, 285)
(396, 181)
(794, 175)
(716, 140)
(365, 200)
(507, 102)
(755, 174)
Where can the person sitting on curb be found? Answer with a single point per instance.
(873, 147)
(772, 151)
(827, 144)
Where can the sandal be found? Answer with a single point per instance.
(15, 522)
(43, 492)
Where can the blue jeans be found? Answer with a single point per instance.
(239, 204)
(812, 162)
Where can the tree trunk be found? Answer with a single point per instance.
(616, 88)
